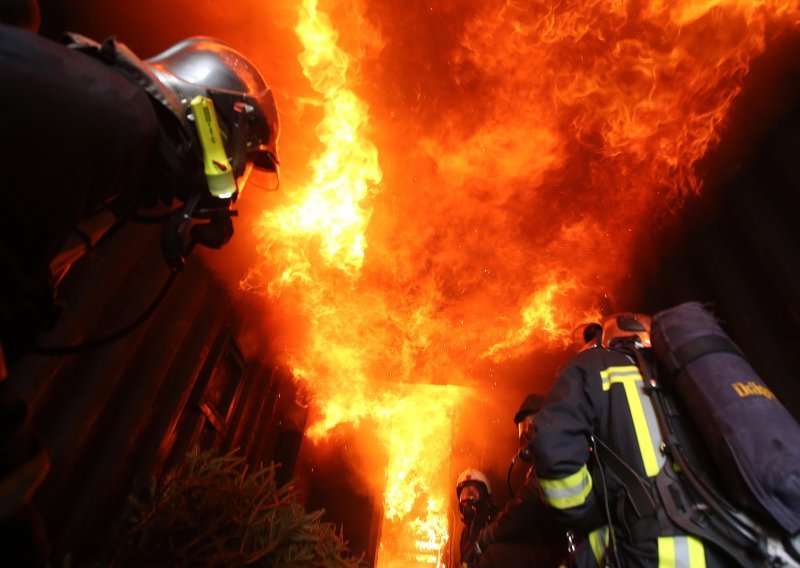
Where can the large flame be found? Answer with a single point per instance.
(525, 147)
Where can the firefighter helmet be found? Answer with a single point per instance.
(474, 476)
(530, 405)
(628, 328)
(242, 101)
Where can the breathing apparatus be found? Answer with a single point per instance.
(470, 506)
(468, 510)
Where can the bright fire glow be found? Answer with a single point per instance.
(525, 147)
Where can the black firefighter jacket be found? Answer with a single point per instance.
(524, 533)
(600, 393)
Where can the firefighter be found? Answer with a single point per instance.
(595, 436)
(475, 508)
(523, 534)
(89, 135)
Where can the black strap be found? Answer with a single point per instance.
(704, 345)
(637, 488)
(651, 520)
(115, 335)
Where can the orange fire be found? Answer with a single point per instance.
(492, 191)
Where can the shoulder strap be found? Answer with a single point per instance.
(638, 488)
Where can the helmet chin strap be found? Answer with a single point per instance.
(239, 135)
(508, 477)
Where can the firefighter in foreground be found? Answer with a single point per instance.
(90, 134)
(524, 533)
(657, 453)
(598, 399)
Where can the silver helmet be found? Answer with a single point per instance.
(242, 101)
(626, 328)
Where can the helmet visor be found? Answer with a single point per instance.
(267, 167)
(259, 176)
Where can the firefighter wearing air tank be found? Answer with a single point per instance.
(599, 402)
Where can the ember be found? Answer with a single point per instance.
(486, 169)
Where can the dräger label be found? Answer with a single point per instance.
(752, 388)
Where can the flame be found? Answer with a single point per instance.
(525, 148)
(540, 313)
(344, 174)
(320, 240)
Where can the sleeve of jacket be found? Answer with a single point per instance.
(561, 446)
(519, 519)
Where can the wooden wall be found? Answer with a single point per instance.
(114, 417)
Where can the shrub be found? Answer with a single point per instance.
(212, 511)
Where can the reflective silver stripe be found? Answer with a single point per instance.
(680, 552)
(570, 491)
(598, 541)
(645, 422)
(652, 424)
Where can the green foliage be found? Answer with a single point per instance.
(211, 511)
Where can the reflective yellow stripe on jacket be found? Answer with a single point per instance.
(680, 552)
(673, 552)
(644, 418)
(570, 491)
(598, 540)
